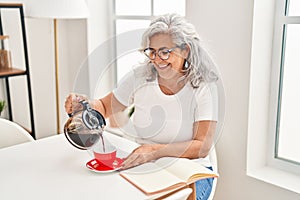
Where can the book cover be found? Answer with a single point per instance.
(166, 174)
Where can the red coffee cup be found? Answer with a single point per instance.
(107, 156)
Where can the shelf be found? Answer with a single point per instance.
(11, 72)
(11, 5)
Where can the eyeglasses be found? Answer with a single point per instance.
(163, 53)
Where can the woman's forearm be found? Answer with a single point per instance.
(98, 105)
(190, 149)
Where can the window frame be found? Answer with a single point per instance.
(280, 28)
(263, 98)
(127, 17)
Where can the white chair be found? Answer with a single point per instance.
(11, 134)
(180, 195)
(214, 164)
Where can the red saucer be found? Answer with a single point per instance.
(97, 166)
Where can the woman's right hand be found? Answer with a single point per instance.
(72, 102)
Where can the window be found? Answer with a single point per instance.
(272, 149)
(133, 15)
(286, 73)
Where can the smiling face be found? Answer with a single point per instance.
(172, 67)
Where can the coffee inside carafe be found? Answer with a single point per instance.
(84, 128)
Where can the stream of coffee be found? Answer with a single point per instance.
(101, 136)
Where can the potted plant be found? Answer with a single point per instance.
(2, 106)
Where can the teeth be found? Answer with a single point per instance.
(162, 66)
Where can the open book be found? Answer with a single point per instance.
(166, 174)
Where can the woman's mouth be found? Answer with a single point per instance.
(163, 66)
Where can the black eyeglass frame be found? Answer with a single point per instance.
(158, 52)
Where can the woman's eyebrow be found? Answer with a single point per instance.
(161, 48)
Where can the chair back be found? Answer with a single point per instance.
(214, 164)
(12, 134)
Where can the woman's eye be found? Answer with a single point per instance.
(151, 53)
(164, 52)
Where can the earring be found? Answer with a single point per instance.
(186, 64)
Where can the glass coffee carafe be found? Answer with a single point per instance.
(85, 126)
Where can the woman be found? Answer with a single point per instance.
(173, 94)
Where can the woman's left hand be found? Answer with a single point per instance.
(142, 154)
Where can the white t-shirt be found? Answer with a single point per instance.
(161, 118)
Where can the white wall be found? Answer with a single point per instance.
(73, 51)
(77, 39)
(226, 26)
(100, 30)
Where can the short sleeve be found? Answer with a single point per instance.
(125, 89)
(206, 103)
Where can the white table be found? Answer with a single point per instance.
(51, 168)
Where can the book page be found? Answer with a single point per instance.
(185, 169)
(151, 178)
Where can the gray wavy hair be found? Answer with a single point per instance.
(200, 66)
